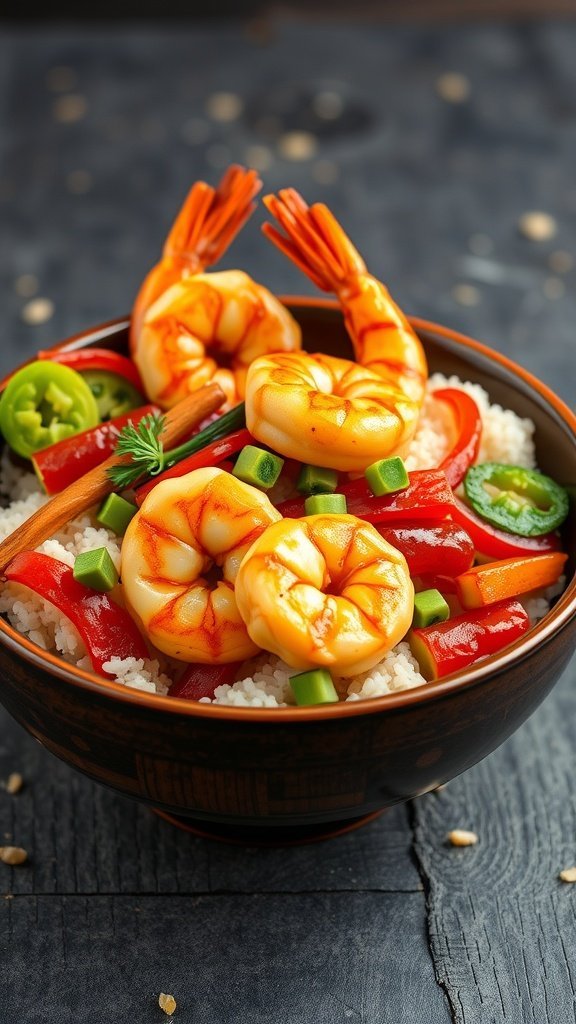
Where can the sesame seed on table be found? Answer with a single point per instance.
(448, 153)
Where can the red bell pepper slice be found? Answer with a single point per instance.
(494, 543)
(96, 359)
(106, 629)
(211, 455)
(457, 643)
(436, 548)
(62, 463)
(428, 496)
(469, 431)
(201, 680)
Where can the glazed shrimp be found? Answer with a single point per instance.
(186, 528)
(189, 327)
(329, 411)
(326, 590)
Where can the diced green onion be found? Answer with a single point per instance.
(96, 569)
(387, 476)
(317, 480)
(325, 504)
(258, 467)
(429, 608)
(314, 687)
(115, 513)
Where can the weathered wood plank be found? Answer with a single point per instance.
(502, 926)
(243, 959)
(85, 839)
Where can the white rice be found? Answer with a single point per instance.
(264, 681)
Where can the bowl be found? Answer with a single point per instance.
(251, 774)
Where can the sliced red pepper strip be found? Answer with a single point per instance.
(211, 455)
(469, 431)
(457, 643)
(96, 359)
(106, 629)
(431, 548)
(494, 543)
(508, 577)
(428, 496)
(201, 680)
(63, 463)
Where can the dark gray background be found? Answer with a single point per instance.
(388, 924)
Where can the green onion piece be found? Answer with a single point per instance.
(96, 569)
(258, 467)
(115, 513)
(387, 476)
(429, 607)
(314, 687)
(317, 480)
(325, 504)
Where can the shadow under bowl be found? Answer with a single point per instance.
(304, 773)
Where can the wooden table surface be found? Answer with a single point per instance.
(101, 132)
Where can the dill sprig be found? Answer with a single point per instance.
(142, 442)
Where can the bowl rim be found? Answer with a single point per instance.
(543, 632)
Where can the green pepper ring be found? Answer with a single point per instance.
(504, 510)
(114, 394)
(43, 403)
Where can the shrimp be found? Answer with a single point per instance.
(189, 327)
(186, 529)
(330, 411)
(325, 590)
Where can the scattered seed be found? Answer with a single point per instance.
(37, 311)
(553, 288)
(568, 875)
(326, 172)
(218, 155)
(481, 245)
(69, 108)
(560, 262)
(14, 783)
(224, 106)
(26, 286)
(167, 1003)
(453, 87)
(297, 145)
(13, 855)
(79, 182)
(460, 837)
(195, 131)
(328, 105)
(537, 226)
(61, 79)
(466, 295)
(259, 157)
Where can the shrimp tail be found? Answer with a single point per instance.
(313, 239)
(212, 217)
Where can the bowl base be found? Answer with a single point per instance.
(288, 835)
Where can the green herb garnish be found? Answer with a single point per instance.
(143, 443)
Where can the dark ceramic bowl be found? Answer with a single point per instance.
(297, 773)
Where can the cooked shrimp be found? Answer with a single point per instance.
(326, 590)
(332, 412)
(189, 327)
(186, 528)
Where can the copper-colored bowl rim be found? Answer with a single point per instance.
(544, 631)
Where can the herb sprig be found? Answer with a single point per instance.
(144, 444)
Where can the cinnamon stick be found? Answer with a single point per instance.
(96, 485)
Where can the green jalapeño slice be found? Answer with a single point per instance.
(114, 394)
(43, 403)
(518, 500)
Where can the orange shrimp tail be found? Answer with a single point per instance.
(313, 240)
(212, 217)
